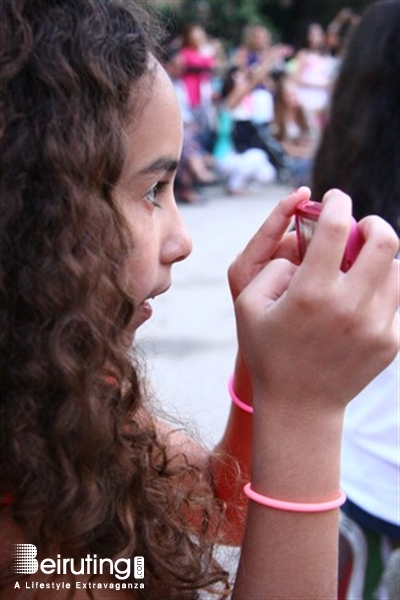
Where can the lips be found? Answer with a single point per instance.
(143, 312)
(145, 309)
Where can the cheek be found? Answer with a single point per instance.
(136, 270)
(142, 264)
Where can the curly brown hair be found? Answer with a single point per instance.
(85, 468)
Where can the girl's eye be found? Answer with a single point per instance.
(153, 193)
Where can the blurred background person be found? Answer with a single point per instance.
(196, 167)
(339, 30)
(249, 95)
(258, 48)
(290, 122)
(360, 153)
(313, 70)
(256, 42)
(198, 60)
(240, 170)
(291, 128)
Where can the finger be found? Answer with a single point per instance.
(288, 248)
(257, 300)
(385, 298)
(389, 296)
(267, 239)
(268, 285)
(396, 336)
(324, 255)
(262, 247)
(375, 261)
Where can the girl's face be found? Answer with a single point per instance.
(316, 36)
(145, 193)
(260, 38)
(197, 37)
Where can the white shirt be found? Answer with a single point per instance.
(371, 447)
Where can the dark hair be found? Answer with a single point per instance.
(302, 37)
(228, 82)
(187, 31)
(280, 107)
(78, 453)
(360, 150)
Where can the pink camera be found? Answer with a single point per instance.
(306, 217)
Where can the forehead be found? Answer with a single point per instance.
(260, 33)
(315, 29)
(155, 126)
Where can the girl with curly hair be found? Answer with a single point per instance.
(91, 139)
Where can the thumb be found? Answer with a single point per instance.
(267, 286)
(255, 314)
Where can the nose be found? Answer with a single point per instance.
(178, 244)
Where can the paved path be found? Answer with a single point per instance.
(190, 340)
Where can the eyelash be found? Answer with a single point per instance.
(155, 191)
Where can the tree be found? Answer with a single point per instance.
(224, 19)
(290, 16)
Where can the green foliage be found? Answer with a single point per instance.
(224, 19)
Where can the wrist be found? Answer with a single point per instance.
(296, 452)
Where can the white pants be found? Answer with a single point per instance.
(249, 166)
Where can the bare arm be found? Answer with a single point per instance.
(312, 337)
(300, 391)
(250, 77)
(235, 447)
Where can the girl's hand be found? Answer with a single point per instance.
(269, 242)
(312, 330)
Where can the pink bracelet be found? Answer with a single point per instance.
(294, 506)
(246, 407)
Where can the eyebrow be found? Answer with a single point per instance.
(162, 164)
